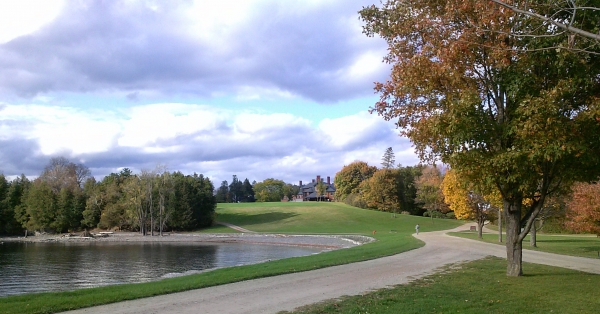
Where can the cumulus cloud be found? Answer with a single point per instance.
(192, 138)
(314, 50)
(136, 83)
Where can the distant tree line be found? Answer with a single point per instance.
(269, 190)
(65, 197)
(235, 192)
(389, 188)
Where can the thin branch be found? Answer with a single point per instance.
(569, 28)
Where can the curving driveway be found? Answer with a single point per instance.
(286, 292)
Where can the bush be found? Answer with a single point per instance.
(450, 215)
(355, 200)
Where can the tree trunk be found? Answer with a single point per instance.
(533, 235)
(480, 223)
(514, 245)
(499, 225)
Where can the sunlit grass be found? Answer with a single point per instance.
(574, 245)
(479, 287)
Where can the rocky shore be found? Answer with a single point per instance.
(322, 241)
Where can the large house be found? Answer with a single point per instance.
(309, 192)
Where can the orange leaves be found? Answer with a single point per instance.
(584, 208)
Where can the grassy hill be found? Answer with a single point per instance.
(322, 217)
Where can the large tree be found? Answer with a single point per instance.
(381, 190)
(506, 113)
(347, 181)
(270, 190)
(388, 160)
(429, 190)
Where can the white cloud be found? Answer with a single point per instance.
(59, 129)
(148, 124)
(345, 131)
(200, 138)
(22, 17)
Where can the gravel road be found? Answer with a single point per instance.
(287, 292)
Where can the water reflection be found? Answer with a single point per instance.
(38, 267)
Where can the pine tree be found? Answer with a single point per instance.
(388, 160)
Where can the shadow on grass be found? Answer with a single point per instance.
(255, 219)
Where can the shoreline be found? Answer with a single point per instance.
(327, 242)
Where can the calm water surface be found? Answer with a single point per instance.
(41, 267)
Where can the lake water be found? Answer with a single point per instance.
(41, 267)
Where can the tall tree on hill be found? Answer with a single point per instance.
(429, 190)
(407, 189)
(236, 189)
(223, 192)
(381, 191)
(511, 114)
(248, 191)
(388, 161)
(347, 181)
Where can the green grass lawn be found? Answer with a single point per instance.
(393, 236)
(574, 245)
(479, 287)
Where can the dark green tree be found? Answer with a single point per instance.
(223, 193)
(248, 191)
(236, 190)
(388, 161)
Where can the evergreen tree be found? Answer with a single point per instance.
(388, 160)
(248, 191)
(223, 192)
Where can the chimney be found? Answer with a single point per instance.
(328, 180)
(318, 179)
(313, 181)
(300, 182)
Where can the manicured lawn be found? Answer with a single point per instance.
(479, 287)
(393, 236)
(574, 245)
(322, 217)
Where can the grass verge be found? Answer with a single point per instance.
(393, 236)
(574, 245)
(479, 287)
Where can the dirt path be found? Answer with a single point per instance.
(234, 227)
(286, 292)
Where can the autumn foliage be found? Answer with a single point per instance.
(584, 208)
(511, 114)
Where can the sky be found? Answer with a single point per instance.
(254, 88)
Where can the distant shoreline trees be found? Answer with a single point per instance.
(65, 198)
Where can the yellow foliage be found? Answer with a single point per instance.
(456, 196)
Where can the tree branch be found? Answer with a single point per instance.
(566, 27)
